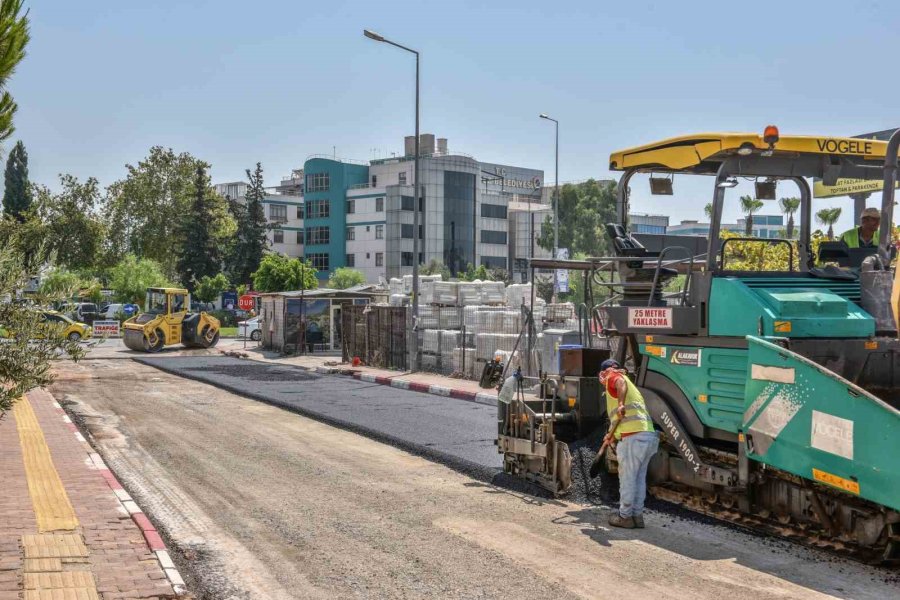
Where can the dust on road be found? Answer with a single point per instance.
(263, 503)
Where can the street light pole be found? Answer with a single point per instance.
(555, 204)
(416, 198)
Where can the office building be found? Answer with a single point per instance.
(642, 223)
(764, 226)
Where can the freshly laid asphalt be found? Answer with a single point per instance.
(455, 432)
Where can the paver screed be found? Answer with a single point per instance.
(63, 533)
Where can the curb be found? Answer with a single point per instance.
(436, 390)
(129, 507)
(415, 386)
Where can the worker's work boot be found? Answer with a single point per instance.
(617, 520)
(638, 521)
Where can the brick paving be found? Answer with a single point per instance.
(117, 564)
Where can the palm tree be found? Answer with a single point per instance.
(749, 206)
(829, 216)
(708, 209)
(789, 206)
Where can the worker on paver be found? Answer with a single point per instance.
(866, 235)
(632, 427)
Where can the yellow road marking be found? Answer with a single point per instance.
(52, 508)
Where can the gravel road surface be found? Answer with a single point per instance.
(259, 502)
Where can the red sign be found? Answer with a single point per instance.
(246, 302)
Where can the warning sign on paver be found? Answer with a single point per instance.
(650, 318)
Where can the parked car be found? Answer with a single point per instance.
(111, 311)
(250, 328)
(86, 312)
(69, 329)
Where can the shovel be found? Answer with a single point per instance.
(598, 460)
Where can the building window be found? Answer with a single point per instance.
(318, 235)
(317, 182)
(379, 259)
(319, 260)
(401, 178)
(351, 207)
(493, 237)
(351, 234)
(300, 211)
(351, 260)
(406, 231)
(374, 180)
(278, 213)
(317, 209)
(300, 237)
(379, 232)
(379, 204)
(493, 262)
(278, 236)
(406, 203)
(493, 211)
(406, 259)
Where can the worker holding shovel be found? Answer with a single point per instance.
(631, 433)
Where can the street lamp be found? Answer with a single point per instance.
(555, 205)
(416, 201)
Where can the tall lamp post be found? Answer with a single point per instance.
(555, 204)
(416, 201)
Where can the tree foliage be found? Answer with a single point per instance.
(584, 210)
(144, 209)
(345, 277)
(74, 229)
(750, 205)
(279, 273)
(30, 345)
(210, 288)
(789, 206)
(131, 277)
(828, 217)
(436, 267)
(17, 191)
(250, 243)
(200, 232)
(14, 36)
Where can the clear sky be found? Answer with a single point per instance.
(277, 80)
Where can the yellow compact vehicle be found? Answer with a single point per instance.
(71, 330)
(167, 322)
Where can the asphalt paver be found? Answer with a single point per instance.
(455, 432)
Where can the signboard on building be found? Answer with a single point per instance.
(562, 275)
(229, 300)
(105, 328)
(845, 187)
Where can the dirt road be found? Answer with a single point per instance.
(263, 503)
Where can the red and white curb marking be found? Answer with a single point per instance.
(415, 386)
(129, 507)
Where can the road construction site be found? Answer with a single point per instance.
(279, 482)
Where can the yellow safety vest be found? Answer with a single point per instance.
(851, 237)
(636, 418)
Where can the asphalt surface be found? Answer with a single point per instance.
(458, 433)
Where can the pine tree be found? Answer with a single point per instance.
(198, 249)
(250, 242)
(17, 194)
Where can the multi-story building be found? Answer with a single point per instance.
(339, 212)
(464, 210)
(764, 226)
(642, 223)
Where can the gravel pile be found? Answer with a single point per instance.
(602, 490)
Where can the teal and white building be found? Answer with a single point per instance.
(339, 212)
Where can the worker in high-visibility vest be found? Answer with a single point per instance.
(636, 439)
(866, 235)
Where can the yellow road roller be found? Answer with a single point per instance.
(167, 321)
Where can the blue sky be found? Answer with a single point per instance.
(274, 81)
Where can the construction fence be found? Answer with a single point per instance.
(376, 335)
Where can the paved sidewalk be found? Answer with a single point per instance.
(68, 531)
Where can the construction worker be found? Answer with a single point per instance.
(866, 235)
(632, 427)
